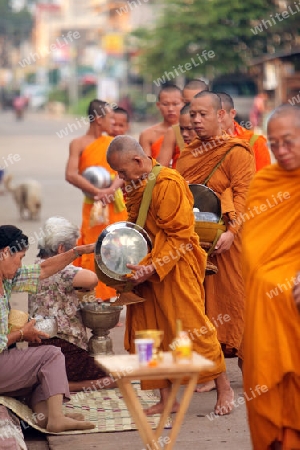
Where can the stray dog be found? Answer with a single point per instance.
(27, 196)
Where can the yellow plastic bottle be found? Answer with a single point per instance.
(182, 345)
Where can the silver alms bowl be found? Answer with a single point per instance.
(119, 244)
(98, 177)
(47, 325)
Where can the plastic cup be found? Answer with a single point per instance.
(144, 350)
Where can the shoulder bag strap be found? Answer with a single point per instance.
(178, 137)
(253, 139)
(216, 167)
(147, 196)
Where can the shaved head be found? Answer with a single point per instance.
(126, 156)
(284, 136)
(192, 88)
(169, 88)
(226, 100)
(185, 109)
(215, 99)
(195, 84)
(125, 145)
(97, 108)
(286, 111)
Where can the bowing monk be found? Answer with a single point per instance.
(257, 142)
(169, 104)
(86, 151)
(173, 143)
(170, 277)
(224, 291)
(271, 248)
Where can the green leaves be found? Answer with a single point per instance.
(227, 28)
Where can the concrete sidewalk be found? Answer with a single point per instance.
(200, 429)
(42, 156)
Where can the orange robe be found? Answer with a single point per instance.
(155, 146)
(224, 292)
(95, 155)
(271, 248)
(176, 155)
(176, 290)
(260, 146)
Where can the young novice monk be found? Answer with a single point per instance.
(169, 103)
(121, 125)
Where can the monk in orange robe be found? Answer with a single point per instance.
(86, 151)
(271, 248)
(257, 142)
(170, 277)
(224, 291)
(173, 143)
(169, 104)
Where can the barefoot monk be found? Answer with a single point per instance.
(170, 277)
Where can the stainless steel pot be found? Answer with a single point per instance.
(98, 177)
(207, 205)
(119, 244)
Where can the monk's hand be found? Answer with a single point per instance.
(140, 273)
(106, 196)
(296, 291)
(224, 243)
(31, 334)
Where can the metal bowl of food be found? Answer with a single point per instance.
(98, 177)
(100, 315)
(120, 244)
(47, 325)
(207, 204)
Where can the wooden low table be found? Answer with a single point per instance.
(125, 368)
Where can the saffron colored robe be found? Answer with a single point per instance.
(175, 291)
(224, 291)
(95, 155)
(271, 249)
(260, 146)
(155, 146)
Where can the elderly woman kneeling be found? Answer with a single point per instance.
(38, 373)
(57, 296)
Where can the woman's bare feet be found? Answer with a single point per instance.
(206, 387)
(63, 423)
(75, 416)
(159, 408)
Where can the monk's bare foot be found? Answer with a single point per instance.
(207, 387)
(63, 423)
(119, 324)
(225, 401)
(75, 416)
(159, 408)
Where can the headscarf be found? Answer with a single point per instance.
(12, 237)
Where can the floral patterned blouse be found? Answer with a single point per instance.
(56, 297)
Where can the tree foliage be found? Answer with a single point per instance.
(187, 27)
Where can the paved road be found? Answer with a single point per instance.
(40, 154)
